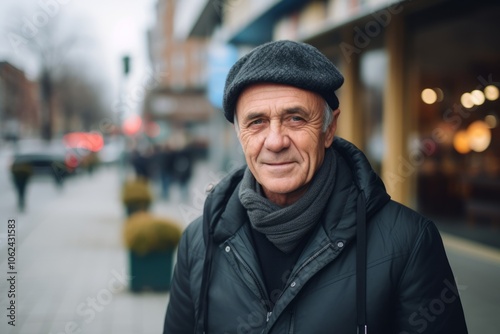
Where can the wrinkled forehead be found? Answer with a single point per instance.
(263, 97)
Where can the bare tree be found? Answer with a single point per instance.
(42, 35)
(80, 100)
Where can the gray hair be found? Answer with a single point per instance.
(327, 119)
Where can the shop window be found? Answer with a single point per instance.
(457, 112)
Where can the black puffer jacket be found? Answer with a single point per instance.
(410, 287)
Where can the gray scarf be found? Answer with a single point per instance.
(285, 227)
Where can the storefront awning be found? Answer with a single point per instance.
(260, 28)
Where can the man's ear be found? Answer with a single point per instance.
(332, 128)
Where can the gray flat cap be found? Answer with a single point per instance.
(283, 62)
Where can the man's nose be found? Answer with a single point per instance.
(277, 138)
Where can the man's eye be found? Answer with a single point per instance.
(297, 119)
(256, 122)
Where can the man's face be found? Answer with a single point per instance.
(280, 131)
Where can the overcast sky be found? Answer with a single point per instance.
(104, 31)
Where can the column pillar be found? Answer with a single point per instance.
(351, 124)
(395, 173)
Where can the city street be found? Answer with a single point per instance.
(108, 108)
(71, 266)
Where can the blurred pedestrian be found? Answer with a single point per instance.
(305, 238)
(21, 174)
(140, 162)
(183, 170)
(166, 170)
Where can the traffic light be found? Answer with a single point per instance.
(126, 65)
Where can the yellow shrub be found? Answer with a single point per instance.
(145, 233)
(136, 191)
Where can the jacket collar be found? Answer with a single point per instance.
(363, 175)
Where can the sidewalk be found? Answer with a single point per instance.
(72, 266)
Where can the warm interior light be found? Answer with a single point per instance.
(466, 100)
(491, 120)
(461, 142)
(479, 136)
(477, 97)
(429, 96)
(491, 92)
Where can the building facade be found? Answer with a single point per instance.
(421, 87)
(19, 107)
(177, 104)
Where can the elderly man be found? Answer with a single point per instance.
(304, 238)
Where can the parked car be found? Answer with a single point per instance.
(45, 164)
(46, 159)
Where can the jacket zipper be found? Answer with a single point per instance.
(312, 258)
(261, 290)
(309, 260)
(263, 295)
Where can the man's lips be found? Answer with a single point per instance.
(277, 163)
(285, 165)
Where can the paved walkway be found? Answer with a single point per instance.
(72, 266)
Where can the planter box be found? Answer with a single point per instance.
(151, 271)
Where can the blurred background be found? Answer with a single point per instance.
(100, 97)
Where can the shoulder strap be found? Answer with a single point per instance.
(361, 264)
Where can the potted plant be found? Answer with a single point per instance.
(151, 241)
(136, 195)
